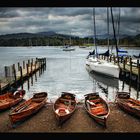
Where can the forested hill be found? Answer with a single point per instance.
(51, 38)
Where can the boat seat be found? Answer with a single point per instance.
(66, 100)
(99, 110)
(95, 101)
(91, 103)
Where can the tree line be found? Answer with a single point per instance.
(60, 41)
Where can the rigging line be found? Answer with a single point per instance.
(94, 31)
(114, 35)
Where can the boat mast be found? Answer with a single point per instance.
(70, 38)
(108, 27)
(114, 35)
(118, 39)
(94, 31)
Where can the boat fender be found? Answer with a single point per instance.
(62, 109)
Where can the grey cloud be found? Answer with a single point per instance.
(65, 20)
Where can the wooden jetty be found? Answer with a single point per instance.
(128, 71)
(22, 73)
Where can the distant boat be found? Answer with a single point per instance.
(82, 46)
(68, 48)
(97, 108)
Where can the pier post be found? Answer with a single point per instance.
(138, 81)
(32, 60)
(28, 84)
(114, 59)
(118, 59)
(18, 66)
(124, 64)
(45, 62)
(39, 68)
(110, 58)
(6, 71)
(121, 59)
(107, 58)
(14, 72)
(126, 60)
(27, 67)
(31, 68)
(35, 71)
(130, 75)
(21, 77)
(28, 63)
(23, 64)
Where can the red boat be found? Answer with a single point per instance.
(128, 104)
(27, 108)
(64, 107)
(10, 99)
(97, 108)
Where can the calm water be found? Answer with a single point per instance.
(65, 71)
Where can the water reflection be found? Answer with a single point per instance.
(107, 86)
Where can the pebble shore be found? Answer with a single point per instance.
(45, 121)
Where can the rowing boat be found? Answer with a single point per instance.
(128, 104)
(64, 107)
(10, 99)
(97, 108)
(27, 108)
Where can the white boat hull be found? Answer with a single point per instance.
(91, 60)
(105, 68)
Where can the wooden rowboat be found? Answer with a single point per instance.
(128, 104)
(27, 108)
(10, 99)
(97, 108)
(64, 107)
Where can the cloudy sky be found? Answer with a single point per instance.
(75, 21)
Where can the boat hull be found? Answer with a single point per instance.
(8, 100)
(105, 68)
(27, 108)
(23, 115)
(131, 109)
(63, 104)
(102, 118)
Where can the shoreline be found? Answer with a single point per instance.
(45, 121)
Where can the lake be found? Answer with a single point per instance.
(65, 71)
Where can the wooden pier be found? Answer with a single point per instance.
(129, 71)
(22, 73)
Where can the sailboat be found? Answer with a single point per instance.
(104, 67)
(68, 47)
